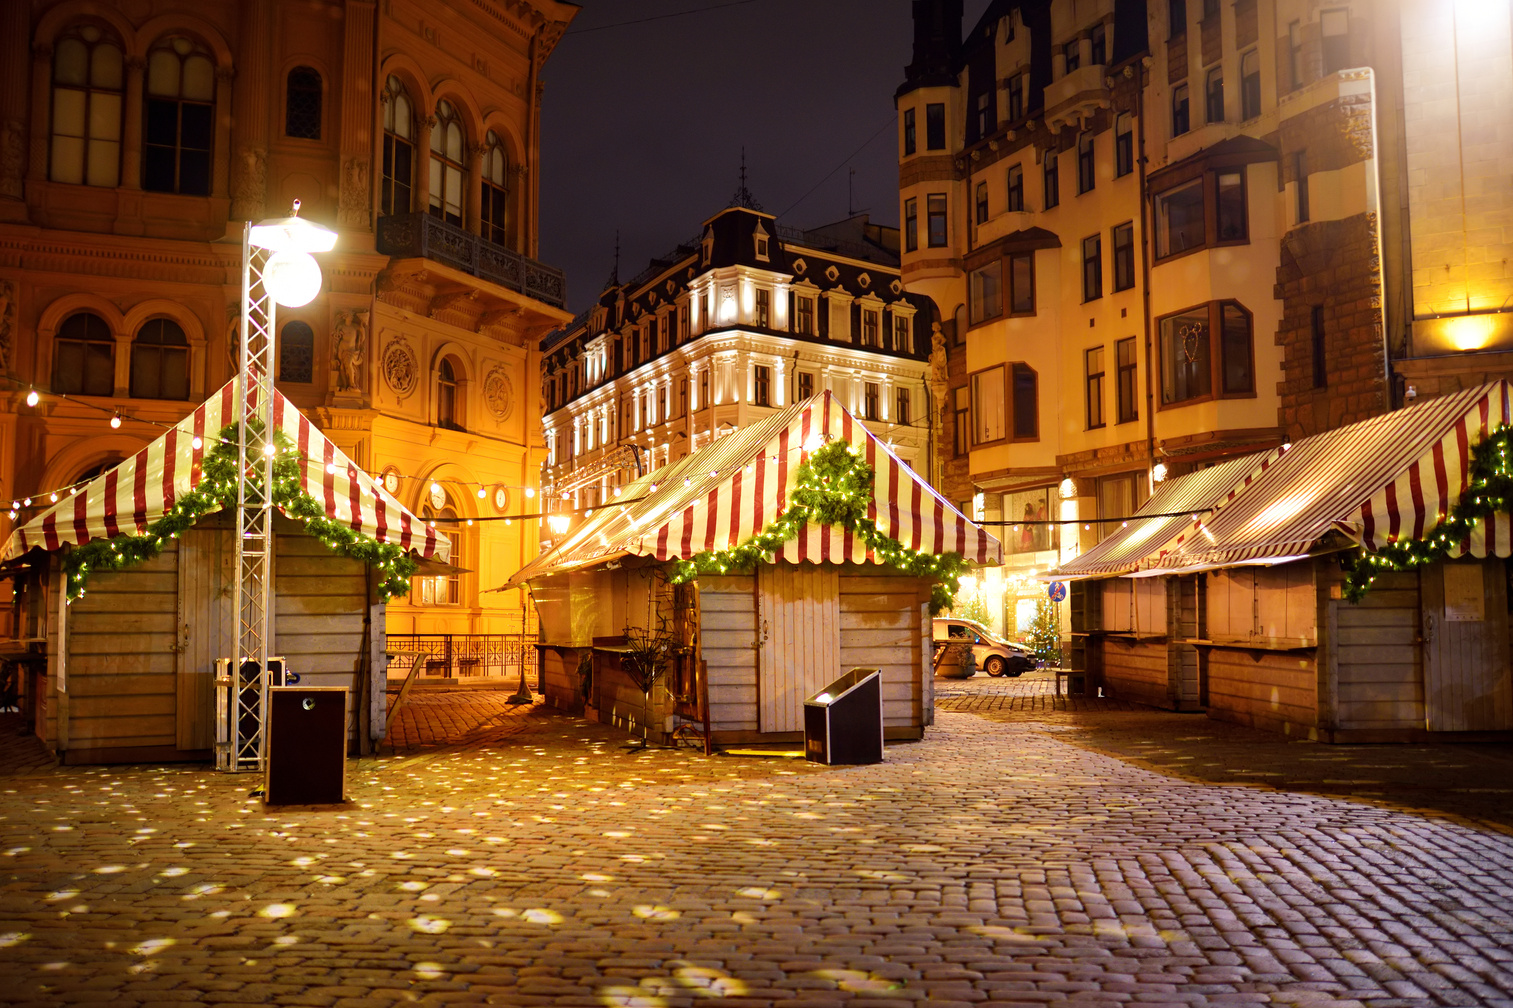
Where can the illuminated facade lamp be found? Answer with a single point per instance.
(291, 274)
(1158, 473)
(1068, 488)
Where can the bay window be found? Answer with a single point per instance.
(1195, 362)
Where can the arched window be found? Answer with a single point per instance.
(160, 361)
(302, 102)
(84, 357)
(180, 120)
(448, 401)
(296, 352)
(441, 589)
(447, 171)
(88, 86)
(399, 149)
(494, 213)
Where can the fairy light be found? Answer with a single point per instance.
(115, 422)
(32, 398)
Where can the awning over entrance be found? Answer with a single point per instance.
(728, 491)
(142, 489)
(1393, 475)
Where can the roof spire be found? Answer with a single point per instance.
(614, 271)
(743, 197)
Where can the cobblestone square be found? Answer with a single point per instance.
(1030, 850)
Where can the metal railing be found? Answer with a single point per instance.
(468, 656)
(419, 235)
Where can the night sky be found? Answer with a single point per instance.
(643, 123)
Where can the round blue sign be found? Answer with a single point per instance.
(1056, 591)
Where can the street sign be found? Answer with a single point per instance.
(1056, 591)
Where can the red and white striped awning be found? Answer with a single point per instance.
(732, 489)
(1392, 475)
(142, 489)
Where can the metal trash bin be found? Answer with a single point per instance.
(307, 746)
(843, 723)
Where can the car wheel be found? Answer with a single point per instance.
(995, 666)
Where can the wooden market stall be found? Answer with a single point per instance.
(748, 644)
(1266, 567)
(125, 671)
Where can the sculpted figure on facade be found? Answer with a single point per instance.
(349, 345)
(354, 208)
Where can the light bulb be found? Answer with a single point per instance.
(482, 493)
(436, 488)
(197, 443)
(292, 278)
(27, 502)
(32, 397)
(331, 468)
(268, 449)
(54, 496)
(529, 493)
(115, 421)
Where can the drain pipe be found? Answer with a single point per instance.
(1145, 284)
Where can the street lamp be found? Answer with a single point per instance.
(277, 268)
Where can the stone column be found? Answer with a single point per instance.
(357, 89)
(472, 211)
(423, 127)
(131, 126)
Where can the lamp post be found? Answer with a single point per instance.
(277, 268)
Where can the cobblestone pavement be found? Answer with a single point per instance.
(1005, 859)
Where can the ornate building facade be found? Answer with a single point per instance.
(1168, 232)
(727, 329)
(134, 141)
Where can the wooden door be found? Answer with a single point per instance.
(798, 640)
(207, 577)
(1468, 685)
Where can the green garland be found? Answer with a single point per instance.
(218, 489)
(1489, 491)
(832, 487)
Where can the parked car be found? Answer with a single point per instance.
(995, 655)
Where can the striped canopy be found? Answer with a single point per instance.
(732, 489)
(1390, 476)
(142, 489)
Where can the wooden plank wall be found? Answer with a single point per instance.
(1273, 690)
(1378, 676)
(121, 676)
(320, 602)
(1136, 670)
(728, 629)
(881, 628)
(798, 640)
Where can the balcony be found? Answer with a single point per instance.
(1074, 98)
(421, 236)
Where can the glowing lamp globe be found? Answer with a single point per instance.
(292, 278)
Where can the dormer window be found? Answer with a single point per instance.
(761, 238)
(708, 246)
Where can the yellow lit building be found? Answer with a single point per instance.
(134, 141)
(1168, 232)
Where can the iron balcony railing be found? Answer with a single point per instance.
(421, 236)
(464, 656)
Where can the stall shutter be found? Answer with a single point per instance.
(1468, 685)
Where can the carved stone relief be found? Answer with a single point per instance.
(401, 368)
(249, 192)
(498, 394)
(354, 207)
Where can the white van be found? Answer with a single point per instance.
(995, 656)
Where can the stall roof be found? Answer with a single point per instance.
(142, 488)
(1392, 475)
(733, 488)
(1175, 512)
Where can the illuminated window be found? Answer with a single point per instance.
(160, 361)
(180, 118)
(302, 103)
(442, 589)
(494, 214)
(84, 357)
(398, 150)
(87, 90)
(448, 173)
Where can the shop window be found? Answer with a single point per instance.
(398, 150)
(179, 123)
(302, 103)
(88, 85)
(84, 357)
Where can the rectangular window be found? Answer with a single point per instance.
(1073, 52)
(1092, 268)
(803, 316)
(1250, 84)
(1016, 97)
(1316, 340)
(911, 224)
(982, 202)
(908, 132)
(653, 335)
(1229, 201)
(985, 292)
(1213, 95)
(1193, 363)
(682, 323)
(1180, 122)
(1124, 144)
(962, 413)
(1016, 188)
(1086, 178)
(805, 385)
(1295, 54)
(1052, 179)
(901, 341)
(763, 308)
(901, 413)
(1179, 219)
(1210, 9)
(1300, 183)
(1099, 39)
(935, 126)
(871, 394)
(984, 113)
(871, 328)
(988, 406)
(1126, 391)
(662, 403)
(1022, 283)
(1235, 351)
(1334, 27)
(1176, 17)
(761, 385)
(1026, 403)
(935, 219)
(1124, 256)
(1093, 367)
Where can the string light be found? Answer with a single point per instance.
(32, 398)
(115, 421)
